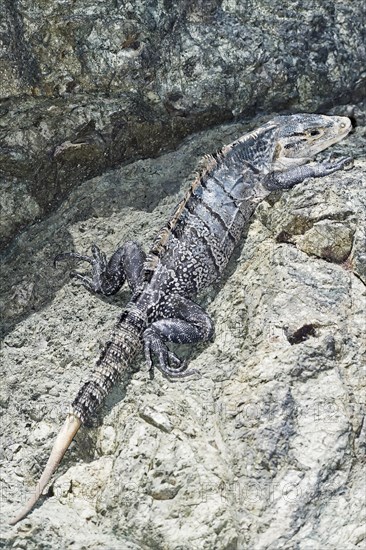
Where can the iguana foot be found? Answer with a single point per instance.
(107, 277)
(168, 363)
(98, 282)
(331, 165)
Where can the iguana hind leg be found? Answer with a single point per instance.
(188, 324)
(107, 277)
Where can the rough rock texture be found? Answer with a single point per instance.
(266, 449)
(87, 85)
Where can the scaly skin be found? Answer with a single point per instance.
(188, 254)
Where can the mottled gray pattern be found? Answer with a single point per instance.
(191, 250)
(265, 449)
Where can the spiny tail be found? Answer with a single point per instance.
(114, 361)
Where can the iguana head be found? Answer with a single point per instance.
(300, 137)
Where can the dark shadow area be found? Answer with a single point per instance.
(28, 279)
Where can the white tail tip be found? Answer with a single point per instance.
(62, 443)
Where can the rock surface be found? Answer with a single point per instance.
(88, 85)
(266, 449)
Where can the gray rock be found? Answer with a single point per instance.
(328, 240)
(88, 85)
(265, 450)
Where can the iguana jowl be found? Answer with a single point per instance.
(188, 254)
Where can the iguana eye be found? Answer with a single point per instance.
(314, 132)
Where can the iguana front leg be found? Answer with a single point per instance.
(108, 276)
(289, 178)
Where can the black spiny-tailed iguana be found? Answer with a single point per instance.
(188, 254)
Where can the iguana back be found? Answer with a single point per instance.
(194, 247)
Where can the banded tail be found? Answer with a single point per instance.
(123, 345)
